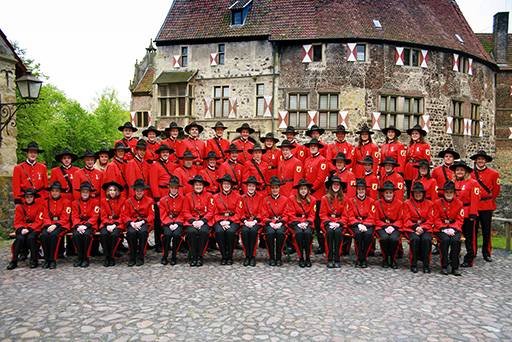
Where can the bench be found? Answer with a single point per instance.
(508, 227)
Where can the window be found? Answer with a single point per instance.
(411, 57)
(475, 120)
(184, 56)
(361, 52)
(239, 11)
(175, 99)
(260, 99)
(400, 111)
(464, 65)
(328, 108)
(236, 17)
(142, 119)
(221, 101)
(298, 110)
(458, 117)
(221, 53)
(318, 53)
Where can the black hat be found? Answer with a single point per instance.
(360, 182)
(66, 152)
(212, 154)
(314, 141)
(392, 128)
(187, 154)
(86, 186)
(341, 128)
(341, 156)
(481, 154)
(290, 129)
(336, 179)
(226, 178)
(219, 125)
(423, 163)
(274, 180)
(417, 128)
(367, 160)
(151, 129)
(141, 144)
(30, 191)
(194, 124)
(257, 147)
(104, 150)
(245, 125)
(198, 178)
(418, 186)
(449, 185)
(32, 146)
(232, 148)
(269, 136)
(55, 185)
(286, 143)
(253, 180)
(389, 160)
(461, 163)
(90, 153)
(164, 147)
(120, 146)
(174, 181)
(128, 125)
(301, 183)
(139, 184)
(173, 125)
(388, 185)
(105, 186)
(365, 129)
(313, 129)
(451, 151)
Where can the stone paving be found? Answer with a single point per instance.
(262, 303)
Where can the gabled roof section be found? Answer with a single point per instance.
(21, 69)
(420, 22)
(145, 84)
(175, 77)
(240, 4)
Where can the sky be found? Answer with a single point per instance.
(87, 46)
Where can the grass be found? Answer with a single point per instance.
(496, 242)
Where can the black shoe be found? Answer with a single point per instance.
(364, 264)
(279, 262)
(247, 261)
(302, 263)
(488, 258)
(308, 263)
(394, 265)
(199, 261)
(385, 264)
(358, 264)
(435, 251)
(112, 262)
(106, 262)
(173, 261)
(414, 269)
(337, 264)
(456, 272)
(46, 264)
(131, 263)
(164, 261)
(53, 265)
(78, 263)
(229, 261)
(426, 269)
(193, 262)
(330, 264)
(85, 263)
(320, 250)
(444, 270)
(140, 262)
(34, 264)
(253, 261)
(224, 261)
(466, 264)
(12, 265)
(272, 262)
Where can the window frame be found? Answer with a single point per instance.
(142, 119)
(221, 55)
(222, 100)
(399, 115)
(328, 111)
(260, 97)
(365, 46)
(298, 113)
(184, 56)
(165, 101)
(315, 48)
(475, 120)
(409, 54)
(458, 117)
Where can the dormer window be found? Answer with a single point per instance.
(239, 11)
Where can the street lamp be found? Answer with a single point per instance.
(29, 88)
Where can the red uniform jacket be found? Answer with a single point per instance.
(198, 149)
(128, 144)
(227, 207)
(211, 176)
(85, 213)
(349, 178)
(38, 175)
(491, 179)
(252, 207)
(389, 214)
(415, 153)
(171, 209)
(57, 212)
(298, 152)
(274, 209)
(211, 145)
(300, 213)
(185, 175)
(151, 156)
(361, 211)
(116, 171)
(469, 195)
(134, 211)
(345, 147)
(412, 220)
(322, 151)
(244, 146)
(58, 175)
(198, 207)
(252, 168)
(136, 169)
(94, 176)
(442, 174)
(111, 211)
(159, 175)
(373, 185)
(29, 216)
(272, 157)
(315, 172)
(448, 214)
(176, 146)
(397, 180)
(290, 172)
(430, 186)
(333, 211)
(370, 149)
(395, 150)
(233, 169)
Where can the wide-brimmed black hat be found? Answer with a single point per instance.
(417, 128)
(331, 180)
(392, 128)
(187, 154)
(173, 125)
(481, 154)
(448, 185)
(422, 163)
(360, 182)
(341, 129)
(341, 156)
(66, 152)
(127, 125)
(164, 147)
(290, 129)
(286, 143)
(198, 178)
(245, 125)
(120, 146)
(257, 147)
(139, 184)
(219, 124)
(418, 186)
(388, 185)
(89, 153)
(274, 180)
(389, 160)
(194, 124)
(367, 160)
(151, 129)
(174, 181)
(212, 154)
(252, 180)
(461, 163)
(314, 141)
(104, 150)
(269, 136)
(226, 178)
(303, 182)
(141, 144)
(365, 129)
(86, 186)
(451, 151)
(32, 146)
(313, 129)
(30, 191)
(55, 185)
(232, 148)
(105, 186)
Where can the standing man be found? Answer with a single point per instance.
(152, 145)
(243, 144)
(173, 130)
(88, 174)
(299, 150)
(218, 144)
(211, 173)
(232, 167)
(315, 132)
(289, 170)
(138, 167)
(186, 172)
(443, 173)
(341, 145)
(128, 141)
(30, 174)
(116, 169)
(258, 168)
(193, 144)
(65, 173)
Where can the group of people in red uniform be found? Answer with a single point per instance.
(220, 190)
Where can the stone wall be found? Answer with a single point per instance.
(6, 206)
(7, 95)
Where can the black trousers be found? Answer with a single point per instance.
(174, 236)
(363, 241)
(51, 242)
(157, 228)
(29, 239)
(468, 230)
(226, 239)
(303, 240)
(389, 244)
(453, 244)
(419, 244)
(274, 238)
(137, 241)
(250, 239)
(83, 242)
(110, 241)
(485, 223)
(318, 227)
(197, 239)
(333, 240)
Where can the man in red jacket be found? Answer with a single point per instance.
(152, 145)
(299, 151)
(341, 145)
(65, 173)
(30, 174)
(88, 174)
(194, 145)
(314, 133)
(244, 144)
(233, 166)
(391, 175)
(186, 172)
(128, 141)
(172, 142)
(289, 170)
(218, 144)
(211, 172)
(116, 169)
(442, 173)
(138, 167)
(258, 168)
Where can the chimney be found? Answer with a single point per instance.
(500, 37)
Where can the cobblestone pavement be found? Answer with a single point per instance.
(233, 303)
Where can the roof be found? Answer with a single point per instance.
(239, 4)
(145, 84)
(21, 69)
(487, 42)
(175, 77)
(426, 23)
